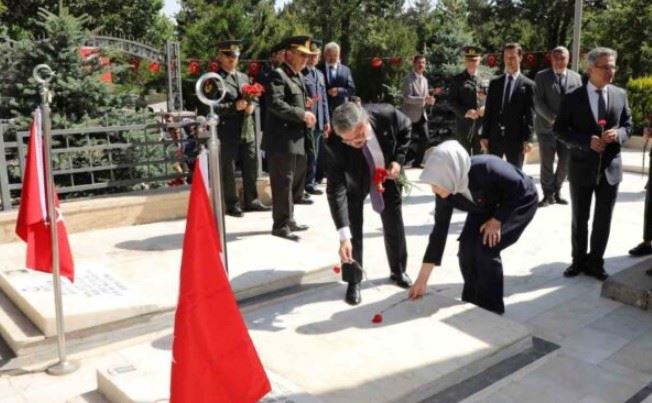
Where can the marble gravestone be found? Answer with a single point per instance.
(95, 298)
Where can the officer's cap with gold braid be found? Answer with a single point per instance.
(301, 43)
(471, 52)
(230, 47)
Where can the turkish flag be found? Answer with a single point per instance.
(213, 357)
(33, 224)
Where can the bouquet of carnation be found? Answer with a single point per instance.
(251, 92)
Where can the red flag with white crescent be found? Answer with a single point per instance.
(33, 225)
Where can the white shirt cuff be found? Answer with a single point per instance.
(344, 233)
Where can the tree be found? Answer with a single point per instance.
(127, 18)
(79, 94)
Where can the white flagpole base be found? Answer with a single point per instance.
(63, 368)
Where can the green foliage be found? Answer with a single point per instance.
(639, 94)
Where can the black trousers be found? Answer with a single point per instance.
(647, 222)
(511, 149)
(551, 179)
(283, 168)
(482, 266)
(581, 197)
(312, 158)
(420, 140)
(393, 231)
(246, 154)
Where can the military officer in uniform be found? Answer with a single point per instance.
(464, 91)
(288, 120)
(236, 133)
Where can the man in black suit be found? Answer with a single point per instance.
(339, 80)
(284, 137)
(594, 120)
(509, 111)
(236, 132)
(369, 138)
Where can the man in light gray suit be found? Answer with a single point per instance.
(551, 86)
(415, 99)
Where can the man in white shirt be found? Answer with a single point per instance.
(370, 142)
(594, 120)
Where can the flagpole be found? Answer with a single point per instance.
(64, 366)
(214, 163)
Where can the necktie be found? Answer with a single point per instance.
(602, 106)
(377, 202)
(508, 91)
(331, 73)
(560, 82)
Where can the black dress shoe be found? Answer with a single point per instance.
(285, 233)
(314, 191)
(234, 211)
(294, 227)
(402, 280)
(560, 200)
(648, 272)
(304, 200)
(598, 273)
(257, 205)
(546, 201)
(573, 270)
(352, 296)
(642, 249)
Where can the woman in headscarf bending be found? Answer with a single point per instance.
(500, 200)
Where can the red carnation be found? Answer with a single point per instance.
(380, 175)
(602, 123)
(337, 269)
(378, 318)
(251, 92)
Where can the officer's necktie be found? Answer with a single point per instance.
(560, 82)
(377, 202)
(508, 91)
(602, 106)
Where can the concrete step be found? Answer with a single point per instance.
(419, 349)
(133, 277)
(631, 286)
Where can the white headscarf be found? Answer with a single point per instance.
(448, 166)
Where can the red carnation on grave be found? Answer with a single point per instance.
(337, 269)
(378, 318)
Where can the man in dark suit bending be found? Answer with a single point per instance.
(376, 136)
(594, 120)
(509, 111)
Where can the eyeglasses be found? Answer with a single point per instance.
(607, 68)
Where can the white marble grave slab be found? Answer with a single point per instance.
(95, 298)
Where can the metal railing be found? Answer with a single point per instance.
(104, 160)
(95, 160)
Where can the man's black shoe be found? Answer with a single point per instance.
(402, 280)
(352, 296)
(257, 205)
(547, 201)
(234, 211)
(294, 227)
(648, 272)
(560, 200)
(573, 270)
(285, 233)
(314, 191)
(304, 200)
(598, 273)
(642, 249)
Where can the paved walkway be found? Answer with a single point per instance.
(606, 347)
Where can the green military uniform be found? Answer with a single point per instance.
(236, 133)
(463, 96)
(284, 138)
